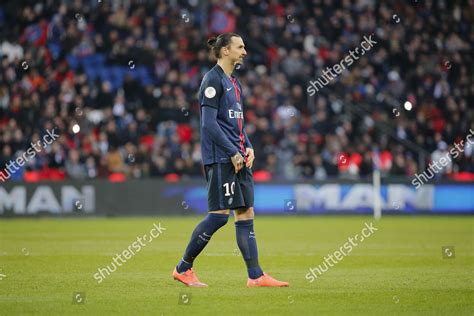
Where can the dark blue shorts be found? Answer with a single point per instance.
(226, 189)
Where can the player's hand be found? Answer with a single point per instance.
(250, 157)
(237, 161)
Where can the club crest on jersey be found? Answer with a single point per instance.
(239, 106)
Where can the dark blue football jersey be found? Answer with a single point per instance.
(224, 94)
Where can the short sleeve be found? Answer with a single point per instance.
(210, 92)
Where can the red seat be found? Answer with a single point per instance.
(117, 177)
(172, 177)
(56, 175)
(31, 176)
(262, 176)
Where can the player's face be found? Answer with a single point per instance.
(236, 50)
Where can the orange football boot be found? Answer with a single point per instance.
(188, 277)
(266, 280)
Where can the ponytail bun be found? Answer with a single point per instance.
(212, 41)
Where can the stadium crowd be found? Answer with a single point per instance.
(118, 81)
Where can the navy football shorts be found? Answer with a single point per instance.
(226, 189)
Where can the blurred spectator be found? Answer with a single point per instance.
(127, 74)
(74, 168)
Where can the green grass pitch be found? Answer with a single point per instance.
(400, 269)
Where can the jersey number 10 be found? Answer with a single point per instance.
(231, 186)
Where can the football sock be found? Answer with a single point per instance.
(200, 237)
(248, 247)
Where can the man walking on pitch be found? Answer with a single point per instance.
(228, 157)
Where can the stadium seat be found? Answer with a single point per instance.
(91, 73)
(73, 61)
(32, 176)
(117, 177)
(171, 177)
(262, 176)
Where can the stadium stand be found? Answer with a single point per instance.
(127, 73)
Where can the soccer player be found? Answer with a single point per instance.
(227, 157)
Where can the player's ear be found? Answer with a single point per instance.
(226, 50)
